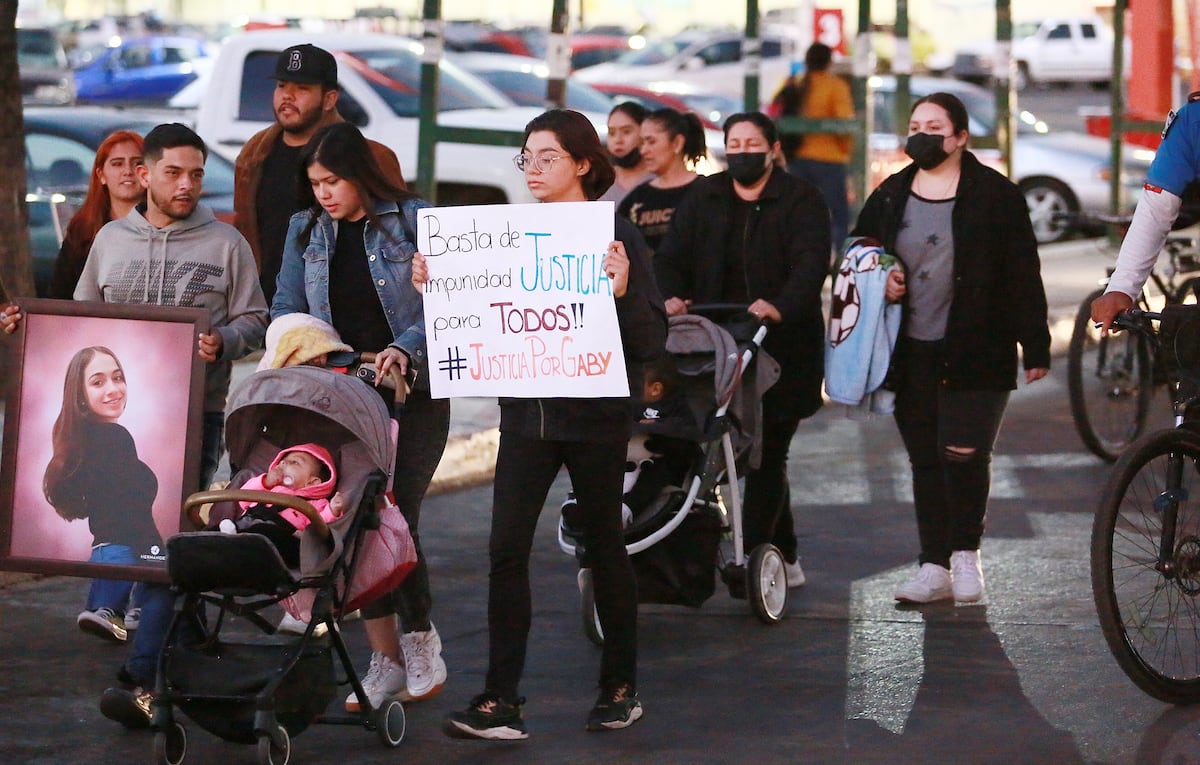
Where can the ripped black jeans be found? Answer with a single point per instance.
(949, 435)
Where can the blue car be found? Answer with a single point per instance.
(142, 70)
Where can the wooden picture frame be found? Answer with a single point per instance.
(69, 403)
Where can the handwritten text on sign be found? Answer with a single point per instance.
(517, 302)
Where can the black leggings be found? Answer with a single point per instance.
(949, 435)
(525, 469)
(424, 424)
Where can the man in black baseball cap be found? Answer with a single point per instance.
(266, 191)
(308, 64)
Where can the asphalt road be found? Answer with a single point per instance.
(847, 677)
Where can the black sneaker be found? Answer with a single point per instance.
(488, 717)
(130, 708)
(618, 708)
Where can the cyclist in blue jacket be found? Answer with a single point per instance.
(1176, 165)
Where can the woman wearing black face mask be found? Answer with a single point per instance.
(623, 142)
(758, 235)
(963, 233)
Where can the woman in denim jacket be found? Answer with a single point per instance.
(357, 236)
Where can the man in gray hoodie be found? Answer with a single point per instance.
(171, 250)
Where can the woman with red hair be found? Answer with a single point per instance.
(113, 191)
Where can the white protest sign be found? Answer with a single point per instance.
(517, 302)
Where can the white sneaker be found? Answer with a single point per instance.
(967, 572)
(931, 583)
(294, 626)
(385, 679)
(423, 663)
(795, 574)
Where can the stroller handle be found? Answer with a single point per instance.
(299, 504)
(718, 311)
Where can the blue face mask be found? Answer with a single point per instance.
(926, 150)
(747, 167)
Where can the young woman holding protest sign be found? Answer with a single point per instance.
(564, 161)
(354, 240)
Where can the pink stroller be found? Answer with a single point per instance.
(232, 673)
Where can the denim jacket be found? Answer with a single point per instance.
(303, 283)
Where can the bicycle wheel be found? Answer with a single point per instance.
(1110, 384)
(1150, 611)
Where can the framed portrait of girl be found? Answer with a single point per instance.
(102, 421)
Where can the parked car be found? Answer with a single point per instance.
(1062, 173)
(60, 146)
(523, 79)
(46, 77)
(380, 91)
(592, 49)
(141, 70)
(588, 48)
(1062, 49)
(709, 60)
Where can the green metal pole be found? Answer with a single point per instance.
(752, 58)
(1116, 90)
(432, 38)
(558, 56)
(903, 74)
(1006, 94)
(862, 106)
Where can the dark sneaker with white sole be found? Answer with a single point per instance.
(103, 622)
(488, 717)
(130, 708)
(615, 709)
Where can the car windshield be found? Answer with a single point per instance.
(49, 154)
(1025, 29)
(395, 76)
(529, 89)
(654, 52)
(39, 48)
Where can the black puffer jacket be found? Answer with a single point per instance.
(643, 323)
(998, 297)
(787, 246)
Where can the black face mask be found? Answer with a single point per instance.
(747, 167)
(926, 150)
(629, 160)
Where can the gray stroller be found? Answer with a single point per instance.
(694, 530)
(231, 672)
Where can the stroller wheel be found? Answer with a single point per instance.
(587, 608)
(170, 745)
(767, 583)
(390, 723)
(270, 753)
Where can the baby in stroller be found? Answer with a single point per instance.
(307, 471)
(664, 442)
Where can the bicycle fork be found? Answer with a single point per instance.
(1167, 506)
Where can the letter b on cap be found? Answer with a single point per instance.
(294, 62)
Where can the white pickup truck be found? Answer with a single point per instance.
(1059, 49)
(379, 77)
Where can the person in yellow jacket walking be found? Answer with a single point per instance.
(820, 158)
